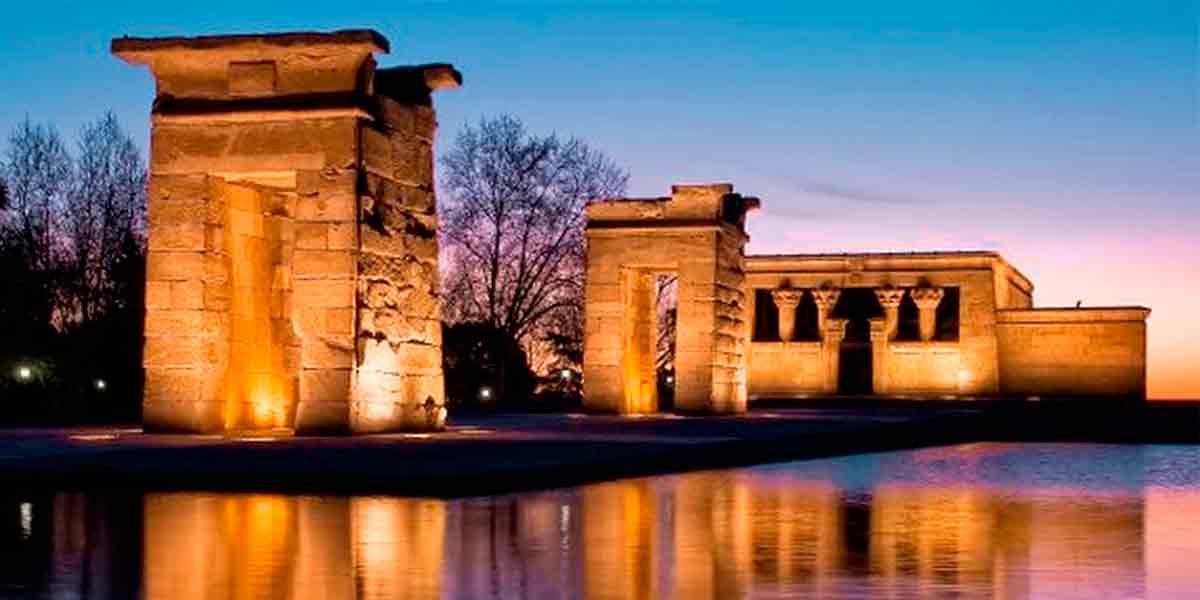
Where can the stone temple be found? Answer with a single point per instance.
(292, 268)
(934, 324)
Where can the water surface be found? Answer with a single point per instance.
(977, 520)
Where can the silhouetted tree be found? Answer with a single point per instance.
(72, 243)
(37, 169)
(104, 218)
(512, 228)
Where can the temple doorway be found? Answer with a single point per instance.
(855, 369)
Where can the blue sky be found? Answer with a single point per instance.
(1063, 134)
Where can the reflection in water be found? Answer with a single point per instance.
(982, 520)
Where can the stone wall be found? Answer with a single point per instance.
(400, 329)
(926, 368)
(785, 369)
(292, 277)
(1073, 352)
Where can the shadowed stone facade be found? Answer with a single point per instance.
(787, 326)
(292, 267)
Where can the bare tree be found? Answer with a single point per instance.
(105, 212)
(512, 225)
(37, 169)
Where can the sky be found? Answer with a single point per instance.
(1063, 135)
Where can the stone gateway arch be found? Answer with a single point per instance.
(698, 235)
(292, 267)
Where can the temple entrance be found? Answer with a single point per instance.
(259, 383)
(855, 375)
(855, 369)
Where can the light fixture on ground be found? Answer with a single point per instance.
(485, 393)
(24, 372)
(100, 384)
(566, 374)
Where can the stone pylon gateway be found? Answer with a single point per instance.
(291, 276)
(698, 234)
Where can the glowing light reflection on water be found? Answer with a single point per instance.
(979, 520)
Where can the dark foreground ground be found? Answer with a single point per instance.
(503, 453)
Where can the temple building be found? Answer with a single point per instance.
(292, 274)
(920, 324)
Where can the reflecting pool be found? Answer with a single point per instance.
(977, 520)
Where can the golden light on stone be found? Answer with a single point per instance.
(969, 329)
(291, 274)
(972, 330)
(697, 234)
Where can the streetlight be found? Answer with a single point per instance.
(566, 374)
(101, 385)
(24, 372)
(485, 393)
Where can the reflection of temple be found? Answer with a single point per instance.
(782, 326)
(704, 535)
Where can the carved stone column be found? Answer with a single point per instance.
(786, 300)
(889, 298)
(826, 298)
(927, 300)
(879, 355)
(831, 346)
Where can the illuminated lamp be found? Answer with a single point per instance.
(24, 372)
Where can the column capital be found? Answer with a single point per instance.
(835, 329)
(826, 296)
(787, 298)
(888, 296)
(927, 297)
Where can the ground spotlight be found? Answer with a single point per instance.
(566, 374)
(485, 393)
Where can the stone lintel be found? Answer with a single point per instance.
(706, 202)
(271, 108)
(141, 50)
(673, 225)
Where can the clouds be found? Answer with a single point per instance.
(853, 193)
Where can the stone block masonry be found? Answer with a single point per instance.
(292, 268)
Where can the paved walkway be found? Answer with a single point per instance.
(503, 453)
(477, 455)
